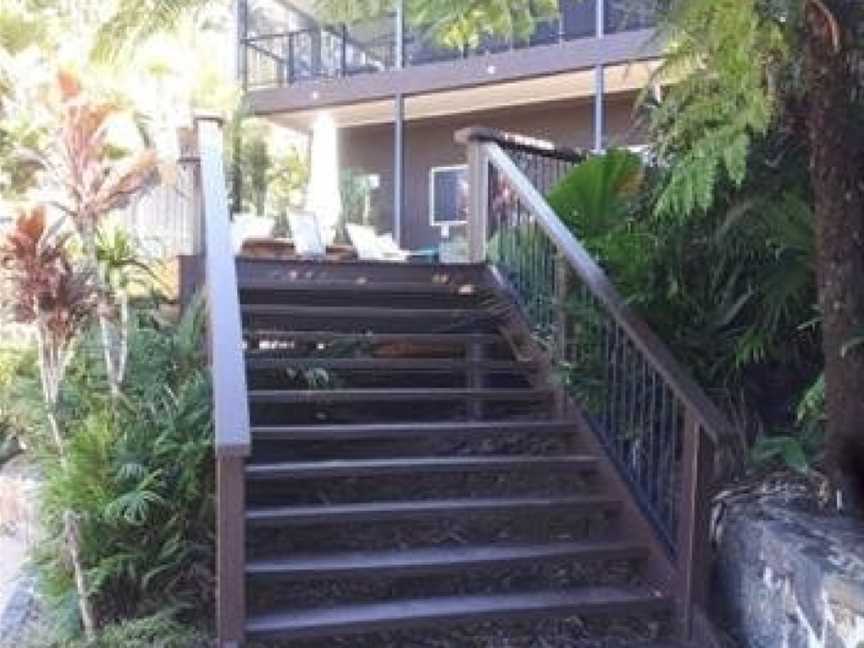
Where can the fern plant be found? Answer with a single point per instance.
(140, 472)
(720, 63)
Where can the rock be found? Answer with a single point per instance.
(21, 612)
(789, 576)
(18, 607)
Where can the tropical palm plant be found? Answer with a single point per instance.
(91, 178)
(600, 200)
(134, 21)
(43, 288)
(141, 472)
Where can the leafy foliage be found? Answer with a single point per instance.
(134, 21)
(158, 631)
(597, 192)
(795, 452)
(801, 450)
(721, 92)
(94, 176)
(140, 476)
(599, 200)
(20, 406)
(732, 292)
(452, 23)
(41, 286)
(19, 28)
(274, 177)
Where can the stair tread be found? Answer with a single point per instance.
(384, 510)
(364, 312)
(396, 394)
(416, 560)
(384, 430)
(457, 289)
(335, 468)
(385, 364)
(369, 617)
(372, 338)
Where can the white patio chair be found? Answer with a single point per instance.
(371, 247)
(306, 234)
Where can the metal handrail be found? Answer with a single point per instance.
(656, 425)
(590, 272)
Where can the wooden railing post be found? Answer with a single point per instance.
(230, 551)
(694, 521)
(478, 202)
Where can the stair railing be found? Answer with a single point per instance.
(656, 424)
(228, 374)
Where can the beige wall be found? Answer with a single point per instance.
(429, 143)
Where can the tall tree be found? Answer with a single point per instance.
(737, 68)
(454, 23)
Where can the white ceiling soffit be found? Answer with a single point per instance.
(572, 85)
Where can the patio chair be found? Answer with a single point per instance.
(369, 246)
(306, 234)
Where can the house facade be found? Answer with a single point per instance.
(397, 95)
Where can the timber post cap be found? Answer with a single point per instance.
(527, 143)
(208, 116)
(476, 134)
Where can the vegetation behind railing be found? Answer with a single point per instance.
(345, 50)
(656, 424)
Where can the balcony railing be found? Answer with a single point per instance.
(341, 51)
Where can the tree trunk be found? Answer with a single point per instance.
(73, 539)
(838, 186)
(52, 368)
(113, 326)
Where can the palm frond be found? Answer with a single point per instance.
(136, 20)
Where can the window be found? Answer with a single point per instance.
(448, 195)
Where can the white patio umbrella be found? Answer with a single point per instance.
(323, 197)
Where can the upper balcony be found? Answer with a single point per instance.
(284, 48)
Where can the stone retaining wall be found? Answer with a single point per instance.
(789, 577)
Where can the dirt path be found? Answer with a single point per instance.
(17, 525)
(14, 552)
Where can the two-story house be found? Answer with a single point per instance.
(397, 96)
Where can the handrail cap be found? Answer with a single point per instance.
(465, 136)
(209, 116)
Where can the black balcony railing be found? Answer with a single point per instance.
(323, 52)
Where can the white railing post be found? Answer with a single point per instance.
(478, 200)
(230, 399)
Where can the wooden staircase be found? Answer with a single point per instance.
(397, 434)
(444, 447)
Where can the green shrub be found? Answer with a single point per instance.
(802, 449)
(20, 399)
(159, 631)
(600, 200)
(730, 290)
(140, 476)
